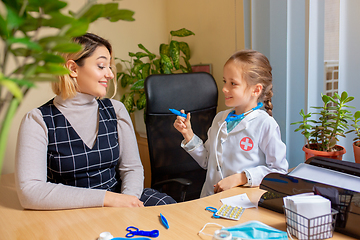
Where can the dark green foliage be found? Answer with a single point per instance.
(332, 122)
(20, 27)
(145, 63)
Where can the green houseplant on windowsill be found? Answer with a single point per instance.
(322, 134)
(30, 55)
(173, 57)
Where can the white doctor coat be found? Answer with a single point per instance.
(253, 146)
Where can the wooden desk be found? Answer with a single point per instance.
(185, 219)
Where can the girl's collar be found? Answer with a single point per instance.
(233, 117)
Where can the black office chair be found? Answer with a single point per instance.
(173, 170)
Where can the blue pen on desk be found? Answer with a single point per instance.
(177, 112)
(164, 221)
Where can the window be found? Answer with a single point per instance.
(331, 46)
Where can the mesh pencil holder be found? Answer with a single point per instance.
(321, 227)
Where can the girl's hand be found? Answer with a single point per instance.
(121, 200)
(183, 125)
(231, 181)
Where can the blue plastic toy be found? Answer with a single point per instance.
(177, 112)
(135, 231)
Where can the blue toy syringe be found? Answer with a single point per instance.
(164, 221)
(177, 112)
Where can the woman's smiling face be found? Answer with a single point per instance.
(92, 78)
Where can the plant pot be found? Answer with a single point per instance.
(356, 152)
(333, 155)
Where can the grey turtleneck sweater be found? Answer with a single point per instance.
(31, 156)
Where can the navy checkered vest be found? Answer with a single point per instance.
(70, 161)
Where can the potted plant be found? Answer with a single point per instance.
(356, 143)
(322, 134)
(30, 55)
(173, 57)
(145, 63)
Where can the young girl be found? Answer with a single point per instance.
(244, 142)
(79, 149)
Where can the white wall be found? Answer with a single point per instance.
(278, 31)
(349, 62)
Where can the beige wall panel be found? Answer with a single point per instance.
(218, 28)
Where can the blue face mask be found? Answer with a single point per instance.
(256, 230)
(252, 230)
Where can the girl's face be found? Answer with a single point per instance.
(93, 76)
(237, 93)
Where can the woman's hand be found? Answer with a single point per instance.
(183, 125)
(121, 200)
(231, 181)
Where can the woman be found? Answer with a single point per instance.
(78, 150)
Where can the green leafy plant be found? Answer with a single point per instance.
(145, 63)
(322, 134)
(356, 126)
(35, 56)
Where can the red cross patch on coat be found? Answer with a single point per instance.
(246, 144)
